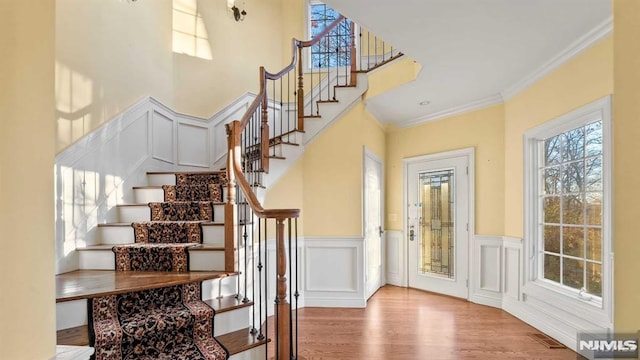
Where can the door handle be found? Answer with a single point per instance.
(380, 231)
(412, 235)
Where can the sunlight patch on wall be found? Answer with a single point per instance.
(74, 97)
(190, 35)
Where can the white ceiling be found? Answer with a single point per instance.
(473, 52)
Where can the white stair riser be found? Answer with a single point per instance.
(161, 179)
(137, 213)
(114, 235)
(230, 321)
(142, 212)
(202, 260)
(213, 235)
(97, 260)
(147, 195)
(71, 314)
(256, 353)
(212, 289)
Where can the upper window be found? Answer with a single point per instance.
(567, 205)
(334, 49)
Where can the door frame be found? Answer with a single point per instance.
(383, 244)
(470, 154)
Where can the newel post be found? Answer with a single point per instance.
(230, 213)
(283, 308)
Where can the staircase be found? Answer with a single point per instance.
(185, 272)
(171, 236)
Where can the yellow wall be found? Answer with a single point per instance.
(27, 145)
(333, 174)
(238, 49)
(111, 54)
(482, 129)
(326, 183)
(398, 73)
(583, 79)
(626, 150)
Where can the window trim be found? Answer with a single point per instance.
(595, 310)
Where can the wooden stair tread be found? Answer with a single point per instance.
(85, 284)
(345, 86)
(227, 303)
(206, 247)
(184, 172)
(277, 157)
(311, 116)
(147, 204)
(75, 336)
(128, 224)
(326, 101)
(239, 341)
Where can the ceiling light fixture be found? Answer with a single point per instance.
(424, 103)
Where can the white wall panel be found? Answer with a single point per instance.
(193, 145)
(395, 257)
(512, 268)
(332, 269)
(334, 272)
(490, 267)
(162, 137)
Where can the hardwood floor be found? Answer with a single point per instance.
(401, 323)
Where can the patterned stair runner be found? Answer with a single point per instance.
(181, 211)
(152, 257)
(164, 232)
(170, 322)
(211, 192)
(166, 323)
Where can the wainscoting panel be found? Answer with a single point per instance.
(193, 145)
(162, 137)
(334, 272)
(512, 277)
(486, 270)
(395, 257)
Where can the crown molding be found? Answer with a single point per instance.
(456, 110)
(581, 44)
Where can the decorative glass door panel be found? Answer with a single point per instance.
(437, 222)
(438, 210)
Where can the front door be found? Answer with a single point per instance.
(438, 220)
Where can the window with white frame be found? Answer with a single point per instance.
(567, 182)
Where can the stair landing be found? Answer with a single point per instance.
(85, 284)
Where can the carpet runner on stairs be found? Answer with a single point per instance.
(168, 232)
(211, 192)
(165, 323)
(152, 257)
(170, 322)
(181, 211)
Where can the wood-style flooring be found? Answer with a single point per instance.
(401, 323)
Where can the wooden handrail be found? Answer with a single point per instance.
(234, 131)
